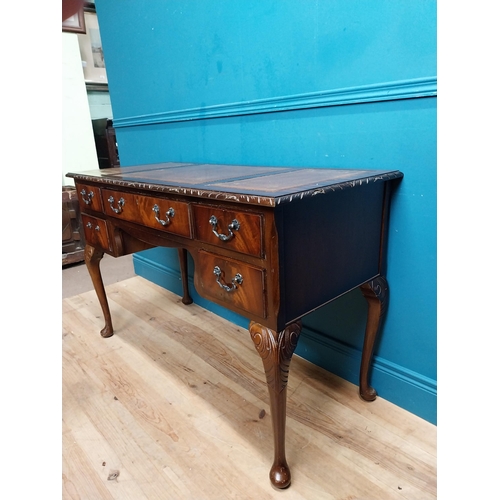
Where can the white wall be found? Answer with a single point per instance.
(78, 146)
(99, 104)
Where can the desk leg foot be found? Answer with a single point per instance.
(186, 299)
(276, 350)
(93, 258)
(376, 293)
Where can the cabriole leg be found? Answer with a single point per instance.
(93, 258)
(276, 350)
(376, 294)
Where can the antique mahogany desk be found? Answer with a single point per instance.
(271, 244)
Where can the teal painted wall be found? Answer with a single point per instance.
(297, 83)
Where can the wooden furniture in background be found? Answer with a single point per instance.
(271, 244)
(73, 239)
(105, 143)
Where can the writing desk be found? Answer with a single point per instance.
(270, 243)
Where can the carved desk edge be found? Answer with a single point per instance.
(249, 199)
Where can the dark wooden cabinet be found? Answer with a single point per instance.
(105, 143)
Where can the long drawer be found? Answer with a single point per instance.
(159, 213)
(233, 282)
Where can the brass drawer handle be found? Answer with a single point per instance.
(234, 226)
(121, 202)
(237, 280)
(89, 225)
(168, 215)
(90, 196)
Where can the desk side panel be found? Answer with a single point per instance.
(328, 245)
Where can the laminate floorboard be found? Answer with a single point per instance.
(175, 406)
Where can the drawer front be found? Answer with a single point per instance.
(238, 231)
(232, 282)
(158, 213)
(96, 232)
(89, 197)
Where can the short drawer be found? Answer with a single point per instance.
(235, 230)
(158, 213)
(89, 197)
(96, 232)
(232, 282)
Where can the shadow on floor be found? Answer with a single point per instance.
(76, 279)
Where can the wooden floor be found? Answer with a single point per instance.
(174, 406)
